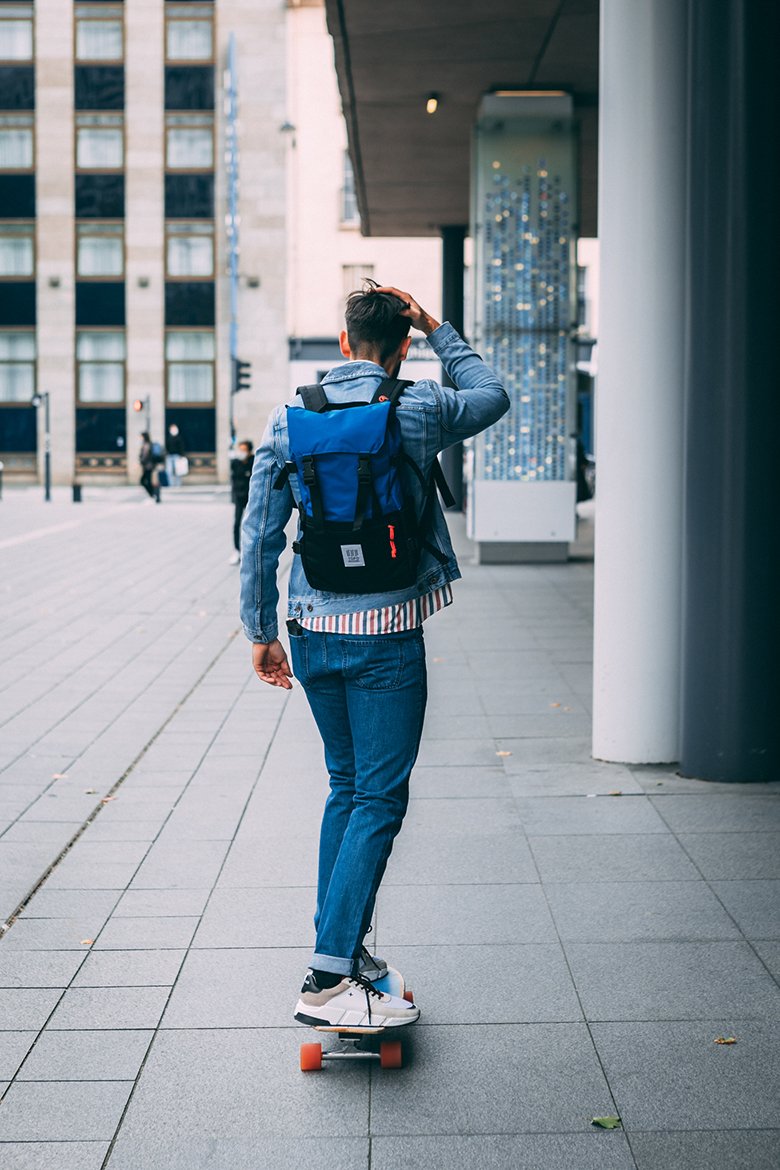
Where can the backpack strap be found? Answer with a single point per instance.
(391, 389)
(439, 480)
(313, 398)
(364, 490)
(310, 479)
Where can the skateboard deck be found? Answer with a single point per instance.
(358, 1041)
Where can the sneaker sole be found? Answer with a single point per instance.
(329, 1026)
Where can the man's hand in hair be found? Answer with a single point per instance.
(418, 317)
(271, 665)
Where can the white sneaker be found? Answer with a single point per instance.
(352, 1003)
(235, 559)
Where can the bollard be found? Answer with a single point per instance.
(77, 493)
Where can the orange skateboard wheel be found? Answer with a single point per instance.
(391, 1054)
(311, 1057)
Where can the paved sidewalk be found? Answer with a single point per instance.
(575, 952)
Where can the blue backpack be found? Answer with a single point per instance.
(359, 530)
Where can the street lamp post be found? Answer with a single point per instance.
(42, 399)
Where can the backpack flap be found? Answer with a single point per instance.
(332, 443)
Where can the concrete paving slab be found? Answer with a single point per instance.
(612, 857)
(527, 1078)
(78, 873)
(537, 986)
(20, 968)
(52, 1155)
(734, 855)
(56, 1111)
(23, 1007)
(755, 906)
(268, 917)
(235, 1154)
(769, 952)
(109, 1007)
(14, 1046)
(103, 829)
(172, 864)
(528, 1151)
(237, 1086)
(672, 981)
(254, 862)
(678, 1077)
(544, 816)
(459, 783)
(638, 911)
(525, 753)
(720, 813)
(739, 1149)
(47, 934)
(573, 780)
(441, 753)
(164, 903)
(451, 914)
(147, 933)
(92, 905)
(136, 968)
(86, 1056)
(422, 856)
(249, 988)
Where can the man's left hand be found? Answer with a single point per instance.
(269, 660)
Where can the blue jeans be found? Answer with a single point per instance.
(367, 695)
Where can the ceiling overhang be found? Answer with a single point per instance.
(412, 168)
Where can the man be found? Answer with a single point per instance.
(360, 659)
(240, 475)
(174, 455)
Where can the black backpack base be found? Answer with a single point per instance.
(381, 557)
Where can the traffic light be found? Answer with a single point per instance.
(242, 375)
(138, 405)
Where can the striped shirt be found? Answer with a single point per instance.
(391, 619)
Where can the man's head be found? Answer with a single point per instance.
(245, 449)
(375, 329)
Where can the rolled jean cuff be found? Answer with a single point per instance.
(332, 964)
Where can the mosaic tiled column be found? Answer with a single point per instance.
(522, 490)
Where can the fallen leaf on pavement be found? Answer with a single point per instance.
(440, 660)
(87, 942)
(555, 704)
(606, 1122)
(616, 792)
(59, 776)
(503, 753)
(106, 799)
(725, 1039)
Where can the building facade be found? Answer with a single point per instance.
(115, 200)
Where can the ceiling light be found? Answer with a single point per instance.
(431, 103)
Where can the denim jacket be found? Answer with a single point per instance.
(431, 417)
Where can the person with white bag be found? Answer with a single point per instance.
(176, 462)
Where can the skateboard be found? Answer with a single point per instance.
(363, 1043)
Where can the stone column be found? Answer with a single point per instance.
(54, 157)
(642, 167)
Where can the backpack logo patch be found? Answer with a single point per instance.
(353, 556)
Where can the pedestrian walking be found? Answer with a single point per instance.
(176, 465)
(357, 649)
(240, 475)
(150, 456)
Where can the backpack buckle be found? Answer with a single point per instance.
(309, 476)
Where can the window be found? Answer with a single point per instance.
(99, 142)
(353, 275)
(188, 35)
(189, 356)
(189, 142)
(100, 250)
(99, 32)
(17, 366)
(16, 32)
(189, 249)
(101, 366)
(17, 249)
(16, 142)
(349, 208)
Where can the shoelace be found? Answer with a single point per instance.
(367, 986)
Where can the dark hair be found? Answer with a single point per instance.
(247, 443)
(374, 321)
(147, 438)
